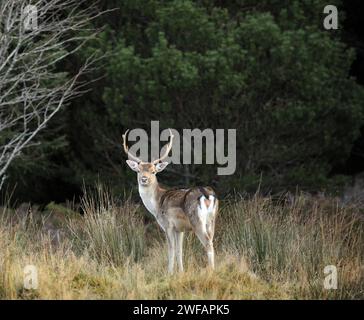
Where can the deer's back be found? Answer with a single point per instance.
(184, 203)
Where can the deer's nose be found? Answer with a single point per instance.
(144, 179)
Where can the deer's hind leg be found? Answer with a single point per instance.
(210, 225)
(208, 245)
(200, 229)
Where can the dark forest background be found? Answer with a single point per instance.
(293, 90)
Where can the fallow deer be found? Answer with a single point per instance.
(176, 211)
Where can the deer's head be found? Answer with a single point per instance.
(147, 171)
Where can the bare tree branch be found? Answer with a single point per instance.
(31, 90)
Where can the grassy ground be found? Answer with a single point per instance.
(265, 249)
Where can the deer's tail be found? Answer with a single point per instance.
(207, 200)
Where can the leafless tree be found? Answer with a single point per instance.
(35, 38)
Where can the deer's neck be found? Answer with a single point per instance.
(150, 196)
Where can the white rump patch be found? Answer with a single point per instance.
(204, 211)
(212, 204)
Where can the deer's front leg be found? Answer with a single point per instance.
(171, 249)
(179, 248)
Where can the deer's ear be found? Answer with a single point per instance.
(161, 166)
(133, 165)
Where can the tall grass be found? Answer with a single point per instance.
(110, 233)
(293, 242)
(264, 250)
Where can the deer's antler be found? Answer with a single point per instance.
(126, 149)
(169, 147)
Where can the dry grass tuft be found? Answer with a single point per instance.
(265, 250)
